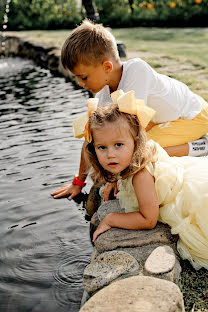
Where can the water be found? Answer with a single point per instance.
(45, 243)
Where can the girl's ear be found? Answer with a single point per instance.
(107, 66)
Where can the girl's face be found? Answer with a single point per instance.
(114, 145)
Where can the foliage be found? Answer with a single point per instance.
(43, 14)
(60, 14)
(153, 13)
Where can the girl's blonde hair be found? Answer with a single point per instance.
(142, 152)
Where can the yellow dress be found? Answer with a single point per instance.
(182, 188)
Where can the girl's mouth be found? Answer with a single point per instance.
(112, 164)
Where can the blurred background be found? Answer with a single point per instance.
(60, 14)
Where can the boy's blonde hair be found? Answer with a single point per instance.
(142, 152)
(89, 44)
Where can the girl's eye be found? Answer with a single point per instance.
(118, 144)
(85, 78)
(101, 148)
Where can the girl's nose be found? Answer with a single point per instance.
(111, 152)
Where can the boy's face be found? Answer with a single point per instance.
(93, 78)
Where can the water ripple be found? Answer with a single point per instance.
(45, 243)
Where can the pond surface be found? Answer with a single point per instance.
(45, 243)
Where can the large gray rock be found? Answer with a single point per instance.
(106, 268)
(137, 294)
(108, 207)
(121, 238)
(116, 238)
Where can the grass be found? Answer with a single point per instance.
(181, 53)
(194, 287)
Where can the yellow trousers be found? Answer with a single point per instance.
(181, 131)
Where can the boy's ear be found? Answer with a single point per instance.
(107, 66)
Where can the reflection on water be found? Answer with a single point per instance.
(45, 243)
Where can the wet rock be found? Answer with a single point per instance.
(137, 294)
(94, 199)
(106, 268)
(53, 58)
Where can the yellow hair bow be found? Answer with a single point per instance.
(126, 102)
(80, 125)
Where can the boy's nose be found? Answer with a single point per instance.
(81, 82)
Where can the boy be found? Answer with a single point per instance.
(181, 119)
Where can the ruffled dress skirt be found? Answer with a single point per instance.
(182, 188)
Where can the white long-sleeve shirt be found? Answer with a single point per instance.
(170, 98)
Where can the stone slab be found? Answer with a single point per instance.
(137, 294)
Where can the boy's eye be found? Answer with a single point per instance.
(84, 78)
(118, 144)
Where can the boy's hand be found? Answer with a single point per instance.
(149, 126)
(107, 190)
(103, 227)
(67, 189)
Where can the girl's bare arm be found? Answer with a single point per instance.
(146, 217)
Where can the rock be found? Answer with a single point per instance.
(108, 207)
(94, 222)
(121, 49)
(161, 260)
(140, 253)
(106, 268)
(117, 238)
(162, 263)
(94, 199)
(137, 294)
(121, 238)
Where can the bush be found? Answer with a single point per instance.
(153, 13)
(43, 14)
(59, 14)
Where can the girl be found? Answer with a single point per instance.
(151, 184)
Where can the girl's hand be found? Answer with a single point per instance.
(66, 190)
(103, 227)
(107, 190)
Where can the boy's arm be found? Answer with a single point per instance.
(72, 189)
(145, 218)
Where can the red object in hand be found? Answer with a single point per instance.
(76, 181)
